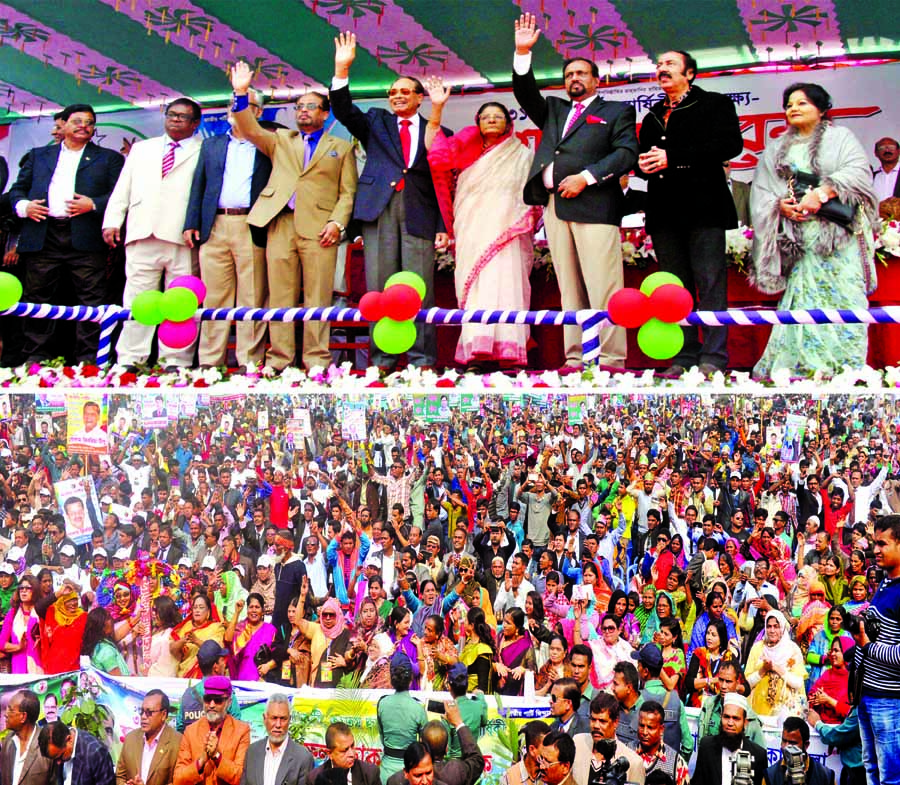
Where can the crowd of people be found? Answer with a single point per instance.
(261, 212)
(655, 555)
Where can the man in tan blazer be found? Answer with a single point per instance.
(306, 204)
(214, 748)
(601, 744)
(150, 752)
(153, 192)
(22, 714)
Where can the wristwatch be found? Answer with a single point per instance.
(822, 194)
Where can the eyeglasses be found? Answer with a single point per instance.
(610, 629)
(83, 123)
(215, 698)
(310, 107)
(329, 615)
(180, 116)
(395, 91)
(151, 712)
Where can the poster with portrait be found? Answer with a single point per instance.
(154, 413)
(43, 426)
(86, 416)
(226, 424)
(433, 408)
(187, 406)
(262, 419)
(353, 420)
(78, 502)
(121, 421)
(5, 406)
(774, 440)
(792, 441)
(577, 409)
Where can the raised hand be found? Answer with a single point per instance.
(527, 33)
(241, 77)
(344, 54)
(438, 92)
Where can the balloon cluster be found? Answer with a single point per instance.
(172, 310)
(393, 311)
(657, 307)
(10, 291)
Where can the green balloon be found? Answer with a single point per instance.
(657, 279)
(410, 279)
(394, 337)
(10, 291)
(178, 304)
(660, 340)
(145, 308)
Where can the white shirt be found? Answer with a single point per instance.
(68, 765)
(240, 158)
(271, 762)
(147, 755)
(337, 83)
(21, 752)
(62, 184)
(521, 65)
(317, 571)
(884, 183)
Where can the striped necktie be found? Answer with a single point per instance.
(169, 158)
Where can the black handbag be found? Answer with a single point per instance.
(834, 210)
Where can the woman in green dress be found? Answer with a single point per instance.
(99, 644)
(815, 262)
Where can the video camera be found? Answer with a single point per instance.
(613, 771)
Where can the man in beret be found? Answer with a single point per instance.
(214, 747)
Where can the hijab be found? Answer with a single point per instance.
(779, 653)
(63, 617)
(331, 604)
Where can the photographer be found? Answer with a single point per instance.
(795, 762)
(597, 753)
(877, 662)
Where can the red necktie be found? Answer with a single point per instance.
(579, 108)
(406, 144)
(169, 158)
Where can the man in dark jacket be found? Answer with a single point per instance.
(711, 762)
(78, 757)
(683, 141)
(794, 746)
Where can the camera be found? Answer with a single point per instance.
(613, 771)
(870, 622)
(795, 764)
(742, 768)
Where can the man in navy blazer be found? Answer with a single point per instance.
(229, 176)
(395, 198)
(61, 193)
(587, 143)
(79, 758)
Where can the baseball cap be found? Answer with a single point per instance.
(67, 550)
(184, 561)
(107, 499)
(99, 552)
(649, 656)
(208, 653)
(44, 492)
(6, 568)
(123, 553)
(208, 563)
(264, 561)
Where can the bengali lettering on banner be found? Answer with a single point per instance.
(119, 699)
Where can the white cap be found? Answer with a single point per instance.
(736, 699)
(99, 552)
(123, 553)
(106, 499)
(208, 563)
(44, 492)
(241, 569)
(6, 568)
(264, 561)
(184, 561)
(15, 553)
(67, 550)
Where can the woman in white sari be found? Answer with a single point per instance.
(479, 176)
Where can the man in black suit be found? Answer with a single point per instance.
(229, 176)
(293, 761)
(635, 201)
(586, 144)
(710, 759)
(169, 552)
(395, 198)
(78, 757)
(62, 190)
(342, 761)
(565, 700)
(684, 140)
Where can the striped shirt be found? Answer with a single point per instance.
(881, 675)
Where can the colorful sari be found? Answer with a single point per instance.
(493, 228)
(513, 655)
(247, 642)
(189, 668)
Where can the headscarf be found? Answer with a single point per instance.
(738, 556)
(6, 596)
(652, 625)
(709, 574)
(785, 649)
(331, 604)
(800, 594)
(851, 605)
(63, 617)
(471, 593)
(640, 612)
(814, 612)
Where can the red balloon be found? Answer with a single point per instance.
(628, 308)
(401, 302)
(671, 303)
(371, 306)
